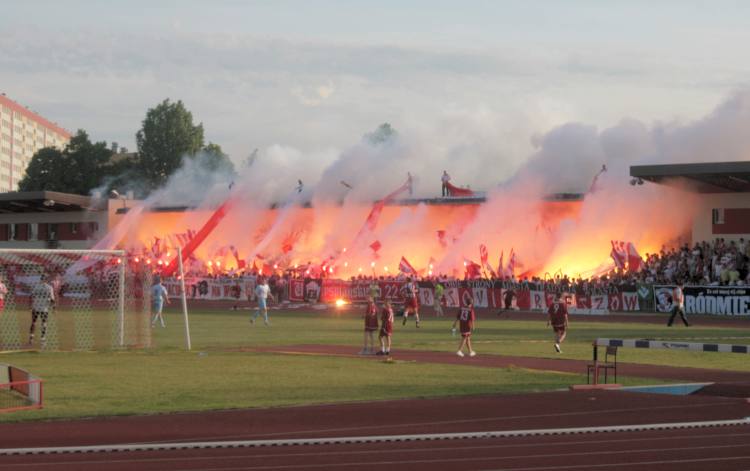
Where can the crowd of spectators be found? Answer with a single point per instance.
(715, 263)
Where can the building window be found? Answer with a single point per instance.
(33, 231)
(74, 228)
(52, 232)
(717, 216)
(12, 231)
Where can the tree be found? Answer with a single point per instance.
(166, 136)
(45, 171)
(381, 135)
(214, 159)
(79, 168)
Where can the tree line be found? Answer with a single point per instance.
(167, 135)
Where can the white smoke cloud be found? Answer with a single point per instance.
(545, 236)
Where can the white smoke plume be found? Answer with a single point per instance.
(571, 237)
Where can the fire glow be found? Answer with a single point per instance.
(548, 237)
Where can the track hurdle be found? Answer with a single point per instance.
(19, 390)
(662, 345)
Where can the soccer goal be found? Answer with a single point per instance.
(75, 300)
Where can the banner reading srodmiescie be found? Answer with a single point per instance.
(716, 300)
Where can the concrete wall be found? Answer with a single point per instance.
(702, 224)
(106, 219)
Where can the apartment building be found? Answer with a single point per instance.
(22, 133)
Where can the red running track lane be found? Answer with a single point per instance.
(698, 375)
(714, 449)
(561, 409)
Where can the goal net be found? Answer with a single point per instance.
(75, 299)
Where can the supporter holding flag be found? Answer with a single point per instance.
(619, 254)
(472, 269)
(445, 179)
(405, 267)
(634, 258)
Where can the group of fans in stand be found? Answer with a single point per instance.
(716, 263)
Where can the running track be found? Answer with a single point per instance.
(709, 447)
(715, 448)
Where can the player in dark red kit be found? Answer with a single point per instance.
(410, 300)
(386, 328)
(558, 317)
(466, 319)
(371, 325)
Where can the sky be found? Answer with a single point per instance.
(305, 80)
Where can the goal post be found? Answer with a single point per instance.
(75, 300)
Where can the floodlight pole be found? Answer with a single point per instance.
(183, 298)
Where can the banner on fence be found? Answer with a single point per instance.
(487, 294)
(716, 300)
(212, 288)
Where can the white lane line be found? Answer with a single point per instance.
(401, 451)
(366, 439)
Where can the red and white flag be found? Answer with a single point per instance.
(619, 253)
(634, 258)
(240, 263)
(431, 265)
(500, 268)
(512, 262)
(472, 269)
(484, 258)
(441, 238)
(405, 267)
(483, 255)
(156, 247)
(180, 239)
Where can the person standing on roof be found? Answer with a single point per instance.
(445, 179)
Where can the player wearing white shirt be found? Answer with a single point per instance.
(42, 300)
(159, 296)
(262, 292)
(678, 305)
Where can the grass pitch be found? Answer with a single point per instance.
(215, 375)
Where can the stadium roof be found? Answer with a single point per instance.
(446, 201)
(719, 177)
(46, 201)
